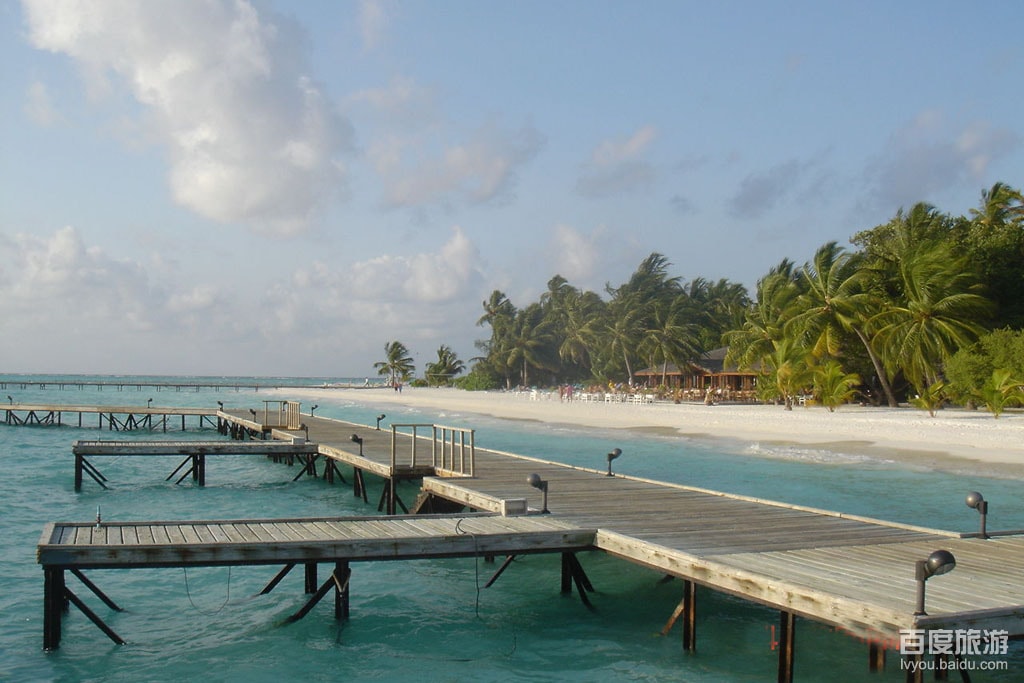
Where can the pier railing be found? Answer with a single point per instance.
(281, 414)
(452, 449)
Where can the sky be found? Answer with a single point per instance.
(280, 188)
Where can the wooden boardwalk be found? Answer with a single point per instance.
(853, 573)
(112, 417)
(194, 452)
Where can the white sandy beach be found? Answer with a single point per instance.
(954, 439)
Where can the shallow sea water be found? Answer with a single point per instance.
(426, 620)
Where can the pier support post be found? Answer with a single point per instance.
(876, 657)
(572, 572)
(342, 576)
(310, 577)
(687, 609)
(53, 606)
(787, 646)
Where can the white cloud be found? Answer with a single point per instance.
(479, 170)
(57, 284)
(373, 21)
(422, 299)
(574, 255)
(760, 192)
(249, 136)
(39, 105)
(930, 155)
(618, 166)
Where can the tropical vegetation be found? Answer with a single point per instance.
(925, 308)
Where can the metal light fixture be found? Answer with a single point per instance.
(253, 413)
(312, 408)
(359, 440)
(149, 403)
(10, 399)
(536, 482)
(939, 562)
(379, 418)
(221, 404)
(616, 452)
(977, 501)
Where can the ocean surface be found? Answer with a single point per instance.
(421, 620)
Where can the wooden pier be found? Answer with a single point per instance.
(856, 574)
(289, 542)
(195, 454)
(112, 418)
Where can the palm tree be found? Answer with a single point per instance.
(446, 368)
(528, 341)
(789, 370)
(832, 386)
(994, 238)
(622, 330)
(939, 313)
(836, 300)
(398, 364)
(670, 336)
(580, 316)
(755, 339)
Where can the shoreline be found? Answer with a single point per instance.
(955, 440)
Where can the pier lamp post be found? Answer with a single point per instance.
(253, 413)
(312, 408)
(977, 501)
(616, 452)
(359, 440)
(379, 418)
(536, 482)
(10, 399)
(220, 404)
(939, 562)
(149, 403)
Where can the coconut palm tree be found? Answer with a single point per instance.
(837, 298)
(445, 368)
(755, 339)
(621, 329)
(940, 311)
(670, 336)
(398, 364)
(528, 341)
(832, 386)
(580, 317)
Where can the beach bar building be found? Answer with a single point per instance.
(727, 382)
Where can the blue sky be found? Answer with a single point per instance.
(236, 187)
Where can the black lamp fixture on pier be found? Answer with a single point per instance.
(220, 404)
(312, 408)
(149, 403)
(939, 562)
(536, 482)
(977, 501)
(10, 399)
(615, 452)
(253, 413)
(359, 440)
(379, 418)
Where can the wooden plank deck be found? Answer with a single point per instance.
(105, 447)
(847, 571)
(851, 572)
(300, 540)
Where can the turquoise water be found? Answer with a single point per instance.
(425, 620)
